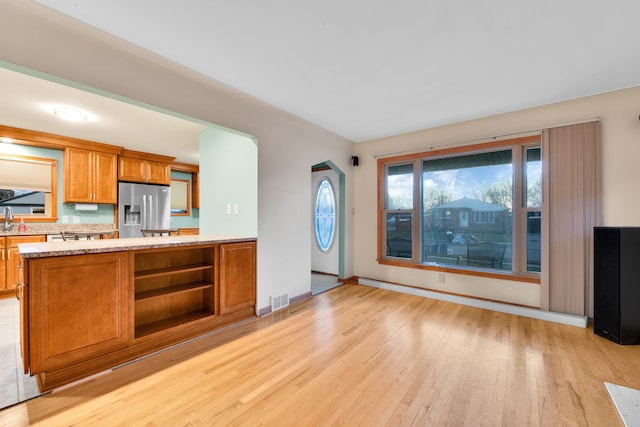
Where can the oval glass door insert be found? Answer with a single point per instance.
(325, 216)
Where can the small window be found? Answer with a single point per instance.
(325, 215)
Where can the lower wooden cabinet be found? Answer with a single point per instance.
(79, 308)
(88, 313)
(237, 276)
(11, 263)
(189, 231)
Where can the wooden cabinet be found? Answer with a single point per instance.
(148, 168)
(189, 231)
(75, 322)
(23, 298)
(77, 314)
(173, 287)
(195, 190)
(237, 276)
(90, 176)
(11, 263)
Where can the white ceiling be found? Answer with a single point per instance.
(27, 102)
(369, 69)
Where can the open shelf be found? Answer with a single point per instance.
(170, 322)
(173, 287)
(156, 272)
(187, 287)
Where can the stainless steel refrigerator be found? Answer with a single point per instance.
(143, 206)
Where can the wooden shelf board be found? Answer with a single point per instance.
(156, 272)
(161, 325)
(172, 290)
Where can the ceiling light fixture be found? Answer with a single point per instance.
(70, 114)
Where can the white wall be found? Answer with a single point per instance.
(618, 112)
(35, 37)
(324, 262)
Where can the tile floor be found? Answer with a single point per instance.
(14, 385)
(321, 282)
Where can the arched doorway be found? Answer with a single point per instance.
(328, 216)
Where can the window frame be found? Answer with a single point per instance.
(519, 211)
(51, 198)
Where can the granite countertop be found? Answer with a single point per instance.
(39, 229)
(81, 247)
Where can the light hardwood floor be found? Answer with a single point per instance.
(359, 356)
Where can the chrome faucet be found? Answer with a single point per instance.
(8, 217)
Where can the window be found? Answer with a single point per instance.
(484, 216)
(464, 210)
(399, 211)
(180, 200)
(325, 215)
(28, 187)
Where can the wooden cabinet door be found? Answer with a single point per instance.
(90, 176)
(79, 308)
(130, 169)
(78, 175)
(195, 190)
(12, 262)
(3, 264)
(14, 265)
(237, 276)
(23, 296)
(158, 173)
(105, 178)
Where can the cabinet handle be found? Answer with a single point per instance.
(19, 290)
(3, 255)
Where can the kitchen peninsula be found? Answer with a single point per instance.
(87, 306)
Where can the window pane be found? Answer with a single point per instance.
(23, 202)
(533, 178)
(467, 209)
(533, 241)
(399, 235)
(325, 217)
(400, 187)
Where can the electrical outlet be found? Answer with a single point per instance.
(235, 209)
(228, 209)
(440, 277)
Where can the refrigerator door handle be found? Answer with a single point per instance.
(144, 211)
(152, 223)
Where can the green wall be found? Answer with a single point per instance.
(228, 178)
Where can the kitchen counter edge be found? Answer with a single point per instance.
(81, 247)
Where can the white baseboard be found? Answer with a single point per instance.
(565, 319)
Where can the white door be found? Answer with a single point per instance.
(324, 249)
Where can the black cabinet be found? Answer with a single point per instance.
(616, 313)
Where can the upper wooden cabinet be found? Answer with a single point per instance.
(134, 166)
(90, 176)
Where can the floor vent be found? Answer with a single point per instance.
(279, 301)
